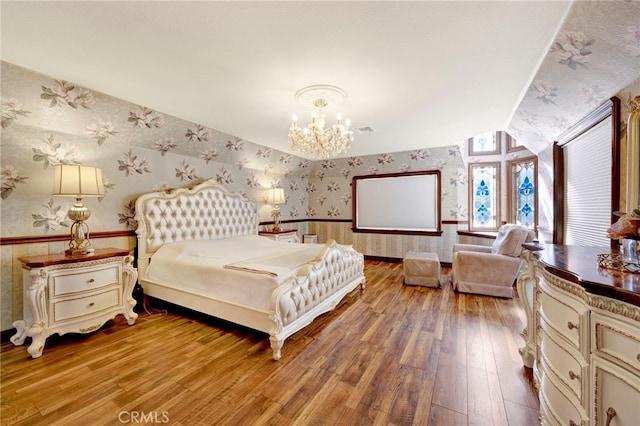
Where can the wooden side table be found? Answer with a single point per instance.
(74, 294)
(283, 235)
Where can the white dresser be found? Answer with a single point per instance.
(583, 337)
(77, 294)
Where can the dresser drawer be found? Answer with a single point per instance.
(616, 394)
(615, 340)
(558, 405)
(566, 363)
(83, 279)
(564, 313)
(65, 309)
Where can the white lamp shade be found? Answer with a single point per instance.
(77, 181)
(275, 196)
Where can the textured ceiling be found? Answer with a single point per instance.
(423, 74)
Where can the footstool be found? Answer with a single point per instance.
(421, 269)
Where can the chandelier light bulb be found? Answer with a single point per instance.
(314, 139)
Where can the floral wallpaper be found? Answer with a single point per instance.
(329, 186)
(594, 55)
(47, 121)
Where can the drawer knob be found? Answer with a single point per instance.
(91, 280)
(573, 375)
(611, 413)
(638, 357)
(572, 423)
(91, 304)
(572, 325)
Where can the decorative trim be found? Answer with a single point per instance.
(34, 239)
(589, 121)
(614, 306)
(477, 234)
(74, 265)
(565, 285)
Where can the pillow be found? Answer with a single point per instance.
(510, 239)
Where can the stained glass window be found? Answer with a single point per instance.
(485, 193)
(485, 144)
(522, 183)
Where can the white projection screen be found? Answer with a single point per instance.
(405, 203)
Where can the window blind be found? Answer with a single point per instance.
(587, 164)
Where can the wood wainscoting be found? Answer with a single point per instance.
(389, 354)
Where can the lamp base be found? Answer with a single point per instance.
(80, 243)
(79, 252)
(276, 218)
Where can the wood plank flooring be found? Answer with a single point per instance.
(393, 354)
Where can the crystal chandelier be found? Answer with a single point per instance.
(316, 140)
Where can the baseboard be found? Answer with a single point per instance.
(5, 335)
(398, 260)
(383, 258)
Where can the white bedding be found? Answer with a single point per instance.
(199, 267)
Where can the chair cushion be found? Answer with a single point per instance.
(510, 239)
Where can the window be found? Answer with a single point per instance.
(485, 196)
(513, 144)
(589, 194)
(485, 144)
(522, 192)
(486, 213)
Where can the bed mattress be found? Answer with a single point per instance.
(202, 267)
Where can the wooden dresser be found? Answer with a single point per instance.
(582, 336)
(76, 294)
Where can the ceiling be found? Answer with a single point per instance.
(422, 74)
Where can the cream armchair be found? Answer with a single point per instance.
(490, 270)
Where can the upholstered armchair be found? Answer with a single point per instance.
(490, 270)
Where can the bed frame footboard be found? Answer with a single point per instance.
(318, 288)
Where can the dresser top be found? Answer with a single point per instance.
(579, 264)
(42, 261)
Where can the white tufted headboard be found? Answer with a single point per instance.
(206, 211)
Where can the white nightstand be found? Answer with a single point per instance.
(283, 235)
(74, 294)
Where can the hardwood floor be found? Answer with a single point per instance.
(392, 354)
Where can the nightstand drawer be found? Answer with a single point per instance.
(70, 308)
(78, 280)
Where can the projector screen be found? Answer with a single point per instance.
(407, 203)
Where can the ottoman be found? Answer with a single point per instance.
(421, 269)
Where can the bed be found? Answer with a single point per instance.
(199, 248)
